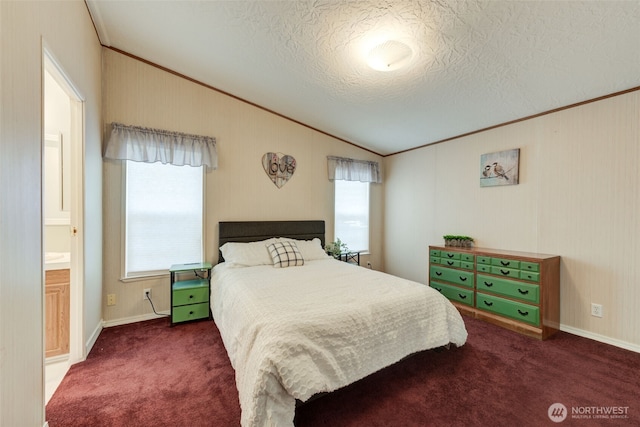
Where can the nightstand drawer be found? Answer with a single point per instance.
(509, 288)
(190, 312)
(190, 295)
(454, 293)
(514, 310)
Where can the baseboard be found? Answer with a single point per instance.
(56, 359)
(601, 338)
(92, 339)
(133, 319)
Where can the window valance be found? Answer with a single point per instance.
(341, 168)
(155, 145)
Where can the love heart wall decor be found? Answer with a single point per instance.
(279, 167)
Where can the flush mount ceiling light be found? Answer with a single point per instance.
(389, 56)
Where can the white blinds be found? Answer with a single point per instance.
(155, 145)
(164, 217)
(344, 169)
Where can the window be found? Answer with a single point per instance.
(163, 217)
(352, 214)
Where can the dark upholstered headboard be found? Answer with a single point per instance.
(253, 231)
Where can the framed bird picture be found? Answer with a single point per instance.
(499, 168)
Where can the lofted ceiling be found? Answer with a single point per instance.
(472, 64)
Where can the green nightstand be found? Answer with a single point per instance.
(190, 297)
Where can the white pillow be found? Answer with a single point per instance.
(310, 249)
(285, 254)
(247, 254)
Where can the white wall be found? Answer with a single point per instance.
(578, 198)
(24, 27)
(136, 93)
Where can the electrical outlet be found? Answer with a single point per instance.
(596, 310)
(146, 292)
(111, 299)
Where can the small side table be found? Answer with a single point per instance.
(350, 257)
(190, 297)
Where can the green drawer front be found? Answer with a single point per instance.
(450, 255)
(467, 257)
(190, 312)
(505, 272)
(514, 310)
(510, 288)
(434, 259)
(463, 278)
(529, 266)
(466, 265)
(533, 277)
(190, 296)
(450, 262)
(506, 263)
(434, 252)
(483, 259)
(484, 268)
(454, 293)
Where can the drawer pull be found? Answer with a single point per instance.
(450, 255)
(488, 284)
(487, 303)
(463, 279)
(190, 296)
(462, 296)
(437, 289)
(438, 273)
(450, 263)
(190, 313)
(523, 313)
(525, 292)
(506, 273)
(505, 264)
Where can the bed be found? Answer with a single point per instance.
(297, 323)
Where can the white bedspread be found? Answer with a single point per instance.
(293, 332)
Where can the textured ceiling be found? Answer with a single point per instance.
(476, 64)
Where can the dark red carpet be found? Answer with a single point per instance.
(147, 374)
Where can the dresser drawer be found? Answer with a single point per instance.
(467, 257)
(189, 295)
(463, 278)
(450, 262)
(450, 255)
(507, 263)
(515, 310)
(529, 266)
(454, 293)
(481, 259)
(523, 291)
(466, 265)
(434, 252)
(505, 272)
(434, 259)
(526, 275)
(483, 268)
(190, 312)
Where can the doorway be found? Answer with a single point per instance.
(62, 174)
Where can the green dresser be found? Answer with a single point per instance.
(190, 290)
(516, 290)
